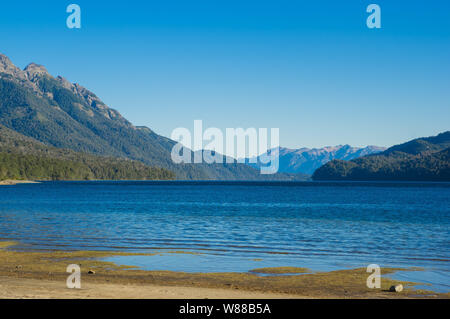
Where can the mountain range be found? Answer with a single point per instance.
(422, 159)
(54, 129)
(61, 114)
(306, 160)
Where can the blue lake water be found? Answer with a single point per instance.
(238, 226)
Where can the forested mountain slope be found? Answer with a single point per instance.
(422, 159)
(23, 158)
(65, 115)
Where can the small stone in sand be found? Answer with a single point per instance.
(396, 288)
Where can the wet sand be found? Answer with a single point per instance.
(42, 274)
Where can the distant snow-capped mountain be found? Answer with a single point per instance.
(306, 160)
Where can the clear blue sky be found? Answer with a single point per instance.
(311, 68)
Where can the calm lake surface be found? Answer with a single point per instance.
(238, 226)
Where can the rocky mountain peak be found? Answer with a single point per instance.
(6, 66)
(5, 62)
(34, 69)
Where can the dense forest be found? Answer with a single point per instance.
(424, 159)
(23, 158)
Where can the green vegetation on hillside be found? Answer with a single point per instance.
(22, 158)
(424, 159)
(32, 167)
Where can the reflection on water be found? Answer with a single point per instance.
(322, 226)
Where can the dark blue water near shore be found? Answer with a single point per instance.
(239, 226)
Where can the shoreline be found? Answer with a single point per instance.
(37, 274)
(239, 182)
(15, 182)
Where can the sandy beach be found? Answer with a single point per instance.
(42, 274)
(20, 288)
